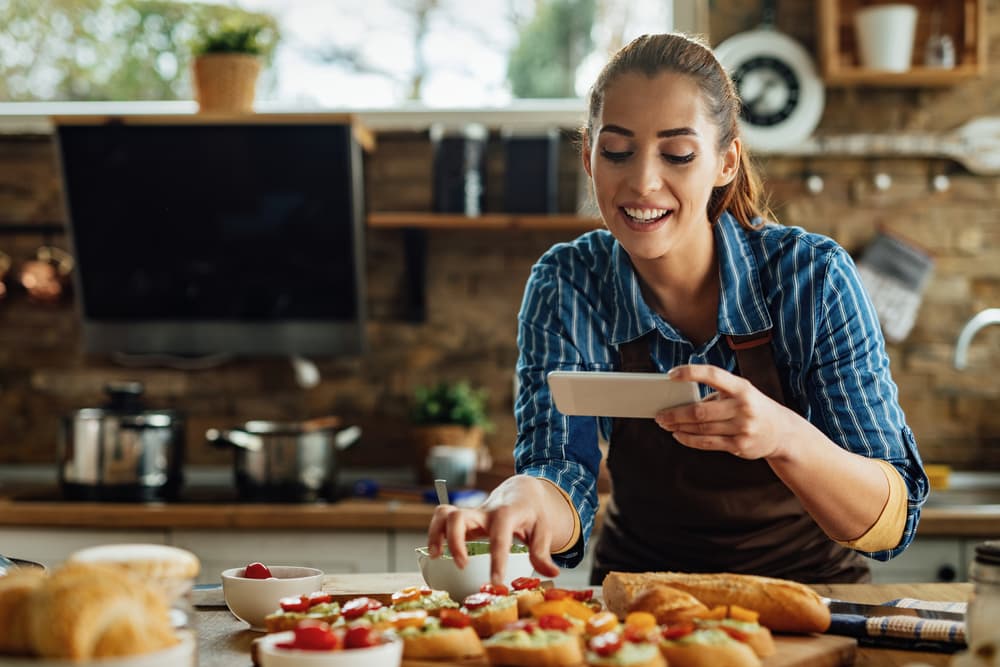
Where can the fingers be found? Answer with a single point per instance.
(540, 548)
(713, 376)
(717, 409)
(501, 537)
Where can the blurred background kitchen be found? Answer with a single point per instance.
(901, 165)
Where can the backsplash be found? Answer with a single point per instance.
(475, 280)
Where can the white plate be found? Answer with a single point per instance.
(383, 655)
(180, 655)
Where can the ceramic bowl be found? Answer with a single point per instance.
(383, 655)
(251, 600)
(442, 573)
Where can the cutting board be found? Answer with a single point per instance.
(791, 650)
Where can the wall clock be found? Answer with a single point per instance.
(776, 80)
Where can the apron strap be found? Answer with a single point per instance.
(756, 362)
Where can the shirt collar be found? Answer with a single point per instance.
(742, 307)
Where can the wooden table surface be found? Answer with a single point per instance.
(225, 641)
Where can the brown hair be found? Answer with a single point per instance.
(675, 52)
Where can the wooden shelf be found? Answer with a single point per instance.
(423, 220)
(963, 20)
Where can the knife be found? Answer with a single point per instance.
(869, 610)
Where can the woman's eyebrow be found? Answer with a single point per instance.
(673, 132)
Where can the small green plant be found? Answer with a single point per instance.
(233, 38)
(450, 403)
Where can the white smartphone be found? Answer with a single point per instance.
(615, 394)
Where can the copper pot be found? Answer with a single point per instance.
(45, 277)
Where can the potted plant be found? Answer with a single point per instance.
(226, 66)
(449, 413)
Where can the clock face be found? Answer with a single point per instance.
(782, 96)
(768, 88)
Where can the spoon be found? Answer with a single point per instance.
(441, 487)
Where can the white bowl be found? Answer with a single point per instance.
(383, 655)
(251, 600)
(442, 573)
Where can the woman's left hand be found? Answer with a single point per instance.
(738, 418)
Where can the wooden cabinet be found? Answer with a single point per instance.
(962, 20)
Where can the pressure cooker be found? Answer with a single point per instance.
(121, 451)
(286, 461)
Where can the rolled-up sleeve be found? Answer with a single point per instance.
(551, 445)
(853, 398)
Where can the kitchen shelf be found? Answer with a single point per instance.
(963, 20)
(424, 220)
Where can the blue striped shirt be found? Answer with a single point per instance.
(582, 301)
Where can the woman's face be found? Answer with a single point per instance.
(653, 161)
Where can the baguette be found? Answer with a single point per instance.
(490, 613)
(441, 644)
(518, 647)
(667, 604)
(726, 654)
(755, 635)
(784, 606)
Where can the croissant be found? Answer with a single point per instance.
(16, 589)
(86, 611)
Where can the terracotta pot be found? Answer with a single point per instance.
(430, 435)
(225, 81)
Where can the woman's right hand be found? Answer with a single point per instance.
(521, 507)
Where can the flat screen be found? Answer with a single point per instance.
(216, 239)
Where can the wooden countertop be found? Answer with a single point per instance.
(225, 641)
(350, 514)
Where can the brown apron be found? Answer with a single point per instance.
(677, 508)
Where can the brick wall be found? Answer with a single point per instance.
(475, 280)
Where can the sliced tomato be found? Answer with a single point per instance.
(494, 589)
(678, 630)
(410, 619)
(406, 595)
(525, 583)
(477, 600)
(426, 590)
(738, 635)
(315, 636)
(600, 623)
(638, 634)
(360, 636)
(319, 597)
(257, 571)
(583, 595)
(553, 622)
(557, 594)
(454, 618)
(606, 644)
(357, 607)
(300, 603)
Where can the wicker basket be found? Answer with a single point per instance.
(225, 81)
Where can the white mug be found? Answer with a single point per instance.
(885, 36)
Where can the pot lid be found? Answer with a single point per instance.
(125, 402)
(260, 426)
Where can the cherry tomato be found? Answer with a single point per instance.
(360, 636)
(494, 589)
(319, 597)
(426, 590)
(553, 622)
(257, 571)
(606, 644)
(557, 594)
(583, 595)
(638, 634)
(677, 631)
(357, 607)
(410, 619)
(315, 636)
(406, 595)
(300, 603)
(734, 633)
(477, 600)
(454, 618)
(600, 623)
(525, 583)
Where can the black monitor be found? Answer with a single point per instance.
(234, 237)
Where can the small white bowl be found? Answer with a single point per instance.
(251, 600)
(442, 573)
(383, 655)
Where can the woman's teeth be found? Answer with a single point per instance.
(645, 214)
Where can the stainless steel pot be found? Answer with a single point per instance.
(286, 461)
(121, 451)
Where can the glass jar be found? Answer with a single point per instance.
(981, 618)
